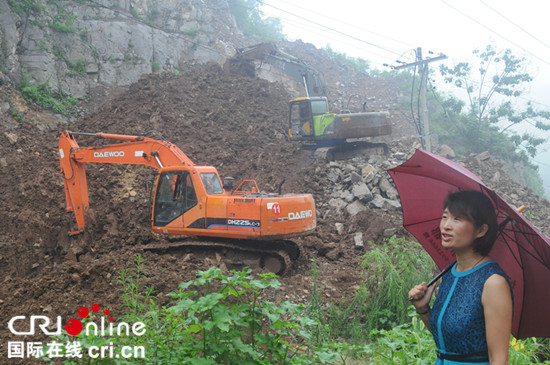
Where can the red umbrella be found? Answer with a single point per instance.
(423, 183)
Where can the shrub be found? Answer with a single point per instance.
(381, 302)
(43, 95)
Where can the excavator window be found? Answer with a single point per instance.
(175, 195)
(211, 183)
(300, 118)
(319, 107)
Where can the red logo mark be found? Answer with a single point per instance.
(74, 326)
(276, 208)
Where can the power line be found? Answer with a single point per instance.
(333, 30)
(353, 25)
(309, 28)
(496, 33)
(517, 26)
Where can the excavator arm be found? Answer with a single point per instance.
(134, 150)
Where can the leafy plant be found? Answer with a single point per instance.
(493, 96)
(78, 66)
(43, 95)
(64, 23)
(389, 271)
(408, 343)
(529, 351)
(18, 116)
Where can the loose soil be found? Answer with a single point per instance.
(232, 121)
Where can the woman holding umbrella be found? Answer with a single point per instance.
(471, 318)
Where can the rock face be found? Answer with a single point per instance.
(77, 45)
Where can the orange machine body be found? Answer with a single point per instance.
(188, 199)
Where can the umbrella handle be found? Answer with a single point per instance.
(437, 277)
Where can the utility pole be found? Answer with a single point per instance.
(423, 72)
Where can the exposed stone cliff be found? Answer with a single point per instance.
(77, 45)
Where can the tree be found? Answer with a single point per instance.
(494, 93)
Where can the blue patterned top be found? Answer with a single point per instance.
(457, 321)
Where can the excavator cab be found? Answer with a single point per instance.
(308, 117)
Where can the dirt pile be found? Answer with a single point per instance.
(234, 122)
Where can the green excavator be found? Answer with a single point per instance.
(310, 120)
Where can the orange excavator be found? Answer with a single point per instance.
(190, 200)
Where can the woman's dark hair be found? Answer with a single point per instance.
(477, 208)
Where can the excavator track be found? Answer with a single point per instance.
(272, 256)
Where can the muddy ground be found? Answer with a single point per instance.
(234, 122)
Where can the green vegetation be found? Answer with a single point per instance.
(18, 116)
(64, 23)
(250, 19)
(493, 87)
(25, 7)
(227, 319)
(388, 271)
(191, 32)
(3, 54)
(76, 67)
(215, 319)
(155, 66)
(43, 95)
(483, 122)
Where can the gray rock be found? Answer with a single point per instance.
(358, 240)
(337, 204)
(483, 156)
(355, 177)
(400, 155)
(377, 202)
(339, 228)
(361, 191)
(368, 172)
(333, 175)
(387, 188)
(446, 151)
(12, 137)
(347, 196)
(355, 208)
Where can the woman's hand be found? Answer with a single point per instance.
(420, 296)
